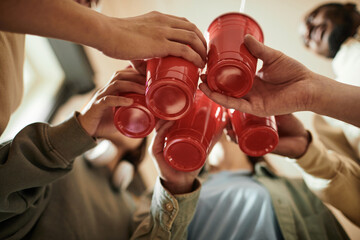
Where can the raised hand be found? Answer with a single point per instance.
(154, 35)
(175, 181)
(282, 86)
(97, 117)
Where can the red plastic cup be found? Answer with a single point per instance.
(256, 135)
(231, 67)
(192, 137)
(171, 83)
(135, 121)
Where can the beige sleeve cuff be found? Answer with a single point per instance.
(174, 212)
(319, 161)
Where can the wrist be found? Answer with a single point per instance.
(101, 28)
(82, 25)
(308, 94)
(95, 33)
(308, 138)
(317, 93)
(110, 33)
(84, 125)
(179, 187)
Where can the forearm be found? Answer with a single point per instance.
(64, 19)
(181, 187)
(336, 100)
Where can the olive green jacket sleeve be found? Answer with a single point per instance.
(169, 215)
(339, 178)
(38, 155)
(41, 154)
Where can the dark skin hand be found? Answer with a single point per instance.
(284, 85)
(274, 91)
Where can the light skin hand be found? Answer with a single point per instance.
(154, 35)
(142, 37)
(174, 181)
(293, 138)
(282, 85)
(97, 117)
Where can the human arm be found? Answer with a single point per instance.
(336, 172)
(174, 198)
(284, 85)
(97, 117)
(146, 36)
(175, 193)
(41, 154)
(37, 156)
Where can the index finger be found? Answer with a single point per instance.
(183, 23)
(226, 101)
(117, 86)
(130, 75)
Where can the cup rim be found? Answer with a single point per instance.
(237, 13)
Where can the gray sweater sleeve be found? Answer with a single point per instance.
(38, 155)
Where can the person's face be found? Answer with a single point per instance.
(321, 28)
(316, 30)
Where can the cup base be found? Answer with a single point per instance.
(258, 140)
(230, 77)
(169, 99)
(135, 121)
(185, 154)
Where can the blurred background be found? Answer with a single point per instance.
(61, 77)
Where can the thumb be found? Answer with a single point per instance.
(259, 50)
